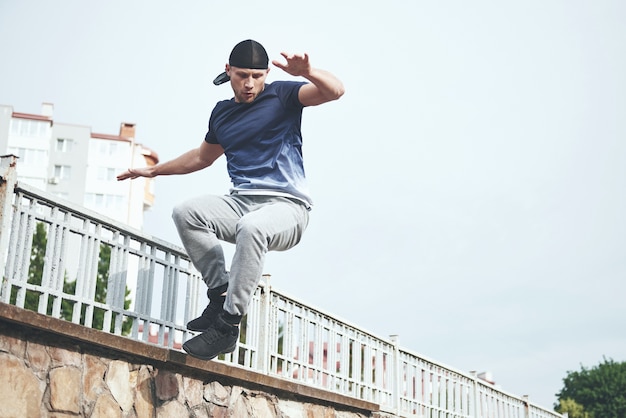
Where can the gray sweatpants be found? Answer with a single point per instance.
(255, 224)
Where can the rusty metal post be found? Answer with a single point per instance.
(8, 179)
(265, 325)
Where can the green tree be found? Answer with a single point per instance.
(572, 408)
(40, 240)
(102, 281)
(35, 274)
(35, 267)
(600, 390)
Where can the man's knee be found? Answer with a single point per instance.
(248, 229)
(180, 213)
(251, 232)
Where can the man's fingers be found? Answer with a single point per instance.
(128, 174)
(278, 64)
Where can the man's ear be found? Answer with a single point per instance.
(227, 68)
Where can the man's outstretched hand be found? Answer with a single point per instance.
(297, 64)
(133, 173)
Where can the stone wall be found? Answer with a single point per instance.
(48, 373)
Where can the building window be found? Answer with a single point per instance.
(28, 156)
(111, 148)
(106, 174)
(63, 172)
(104, 201)
(64, 145)
(27, 127)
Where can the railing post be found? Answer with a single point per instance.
(474, 375)
(397, 378)
(265, 324)
(8, 179)
(525, 399)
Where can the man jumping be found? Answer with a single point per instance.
(259, 131)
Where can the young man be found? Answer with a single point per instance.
(267, 210)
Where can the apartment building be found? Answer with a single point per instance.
(79, 165)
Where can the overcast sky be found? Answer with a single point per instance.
(470, 187)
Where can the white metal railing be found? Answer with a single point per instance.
(280, 336)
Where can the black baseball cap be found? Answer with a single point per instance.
(246, 54)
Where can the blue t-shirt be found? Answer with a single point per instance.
(262, 141)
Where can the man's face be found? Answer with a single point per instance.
(247, 83)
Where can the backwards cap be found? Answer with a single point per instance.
(246, 54)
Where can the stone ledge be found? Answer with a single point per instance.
(127, 348)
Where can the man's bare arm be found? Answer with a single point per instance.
(193, 160)
(323, 86)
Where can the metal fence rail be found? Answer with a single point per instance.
(99, 273)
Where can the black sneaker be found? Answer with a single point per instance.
(220, 338)
(216, 304)
(204, 321)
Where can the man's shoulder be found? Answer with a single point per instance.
(286, 91)
(285, 84)
(283, 88)
(223, 105)
(225, 102)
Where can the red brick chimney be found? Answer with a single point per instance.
(127, 130)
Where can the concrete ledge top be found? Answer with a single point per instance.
(88, 337)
